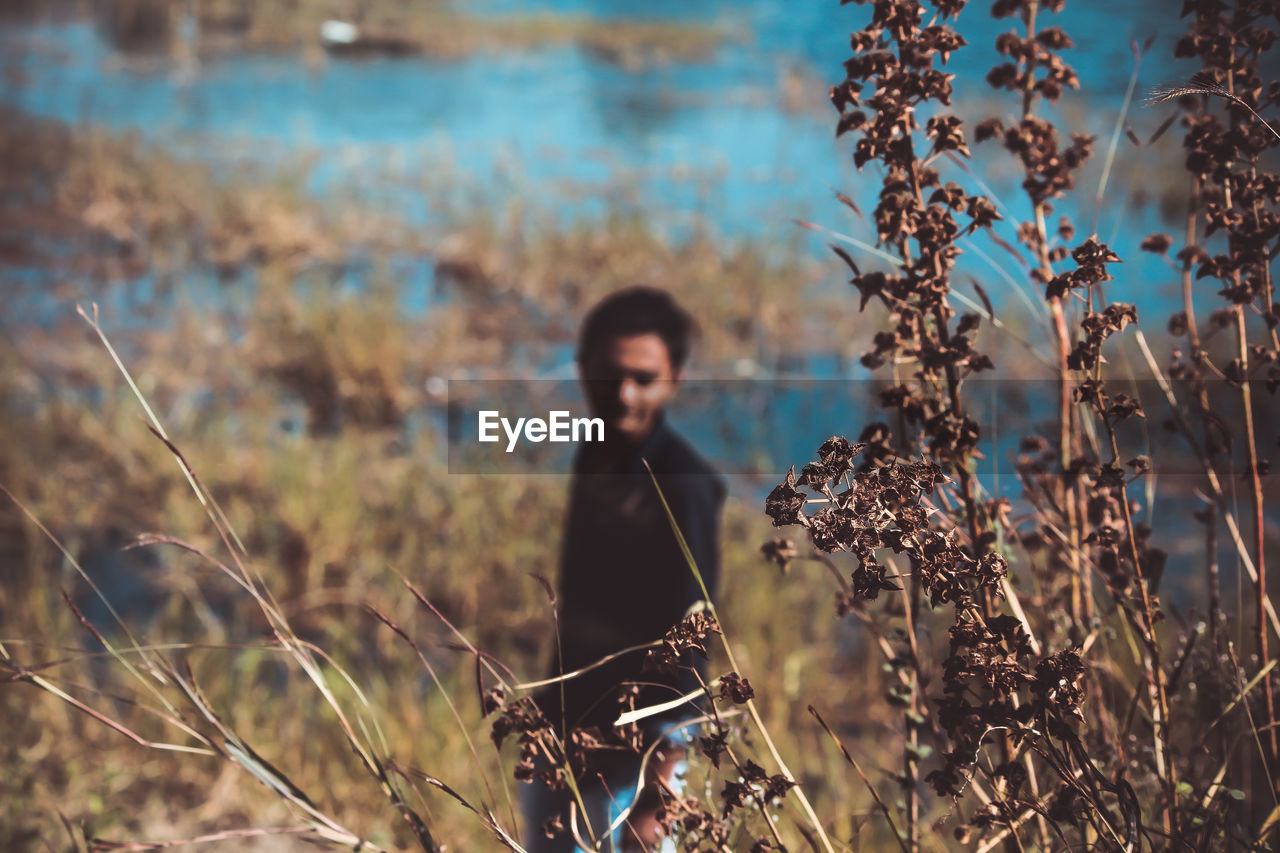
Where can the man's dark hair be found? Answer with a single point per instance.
(638, 311)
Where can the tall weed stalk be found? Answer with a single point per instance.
(1044, 740)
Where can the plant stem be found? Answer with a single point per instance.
(1215, 484)
(1259, 542)
(1255, 484)
(910, 755)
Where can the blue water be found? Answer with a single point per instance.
(717, 144)
(716, 141)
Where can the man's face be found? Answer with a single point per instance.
(628, 380)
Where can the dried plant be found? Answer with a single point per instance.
(1024, 704)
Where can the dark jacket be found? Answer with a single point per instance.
(623, 578)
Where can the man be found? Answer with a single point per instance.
(623, 578)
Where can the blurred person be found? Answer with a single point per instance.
(623, 579)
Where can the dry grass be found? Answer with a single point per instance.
(323, 518)
(302, 410)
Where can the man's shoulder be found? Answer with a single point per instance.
(671, 453)
(673, 456)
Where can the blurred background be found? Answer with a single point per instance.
(300, 222)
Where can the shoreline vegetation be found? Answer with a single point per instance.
(429, 29)
(107, 208)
